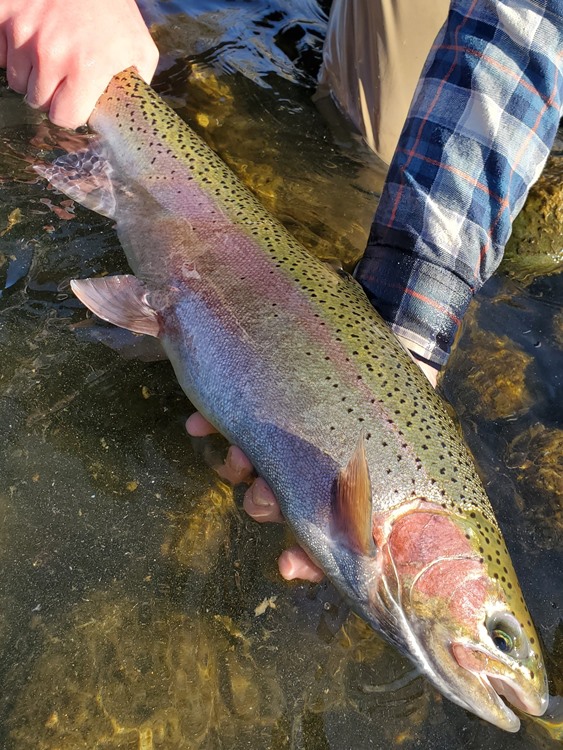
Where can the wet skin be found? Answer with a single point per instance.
(259, 500)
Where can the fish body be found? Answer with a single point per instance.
(289, 360)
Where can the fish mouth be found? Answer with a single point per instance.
(515, 696)
(503, 717)
(498, 689)
(501, 689)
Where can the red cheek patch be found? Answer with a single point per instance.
(420, 538)
(432, 549)
(459, 583)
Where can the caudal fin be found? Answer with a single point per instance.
(85, 176)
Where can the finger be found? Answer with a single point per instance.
(295, 563)
(260, 503)
(198, 426)
(18, 68)
(431, 372)
(3, 50)
(147, 65)
(237, 468)
(74, 100)
(40, 89)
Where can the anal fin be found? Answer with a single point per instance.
(121, 300)
(351, 505)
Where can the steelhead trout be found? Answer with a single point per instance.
(290, 361)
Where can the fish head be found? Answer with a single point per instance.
(449, 590)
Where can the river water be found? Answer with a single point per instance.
(139, 607)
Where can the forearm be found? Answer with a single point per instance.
(476, 138)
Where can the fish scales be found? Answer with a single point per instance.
(345, 317)
(291, 362)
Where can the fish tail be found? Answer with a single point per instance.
(85, 176)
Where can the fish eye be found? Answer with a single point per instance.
(507, 635)
(503, 641)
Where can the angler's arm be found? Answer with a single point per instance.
(479, 130)
(63, 54)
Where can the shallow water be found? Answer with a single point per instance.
(139, 608)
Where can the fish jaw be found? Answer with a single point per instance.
(499, 678)
(446, 608)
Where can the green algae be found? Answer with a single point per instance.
(535, 247)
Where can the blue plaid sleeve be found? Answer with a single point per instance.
(479, 130)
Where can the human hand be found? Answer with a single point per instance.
(259, 500)
(62, 55)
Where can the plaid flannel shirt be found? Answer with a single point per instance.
(482, 122)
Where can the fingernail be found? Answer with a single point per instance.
(235, 460)
(261, 494)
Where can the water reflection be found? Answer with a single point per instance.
(139, 608)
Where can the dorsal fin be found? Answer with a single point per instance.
(351, 506)
(121, 300)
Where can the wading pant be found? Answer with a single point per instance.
(373, 55)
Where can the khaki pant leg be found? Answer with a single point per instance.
(372, 59)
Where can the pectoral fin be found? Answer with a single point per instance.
(351, 505)
(121, 300)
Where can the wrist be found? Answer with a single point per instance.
(422, 302)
